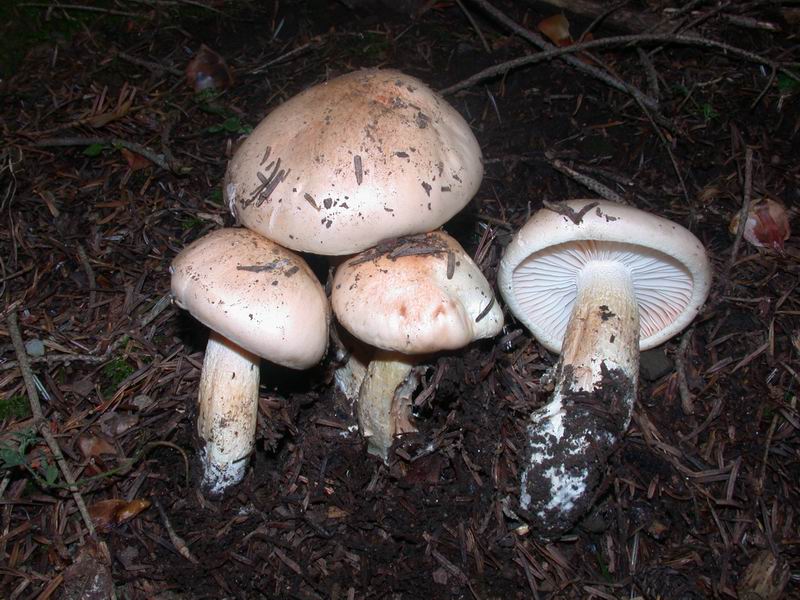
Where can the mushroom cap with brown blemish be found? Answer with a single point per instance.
(256, 293)
(415, 295)
(367, 156)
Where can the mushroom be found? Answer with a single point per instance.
(259, 300)
(408, 297)
(368, 156)
(597, 282)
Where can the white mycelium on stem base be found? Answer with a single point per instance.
(228, 404)
(596, 282)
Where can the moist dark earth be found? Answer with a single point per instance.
(111, 164)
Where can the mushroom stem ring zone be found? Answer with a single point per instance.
(597, 283)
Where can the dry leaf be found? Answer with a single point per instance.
(765, 577)
(88, 577)
(123, 107)
(114, 424)
(110, 513)
(208, 71)
(94, 446)
(136, 162)
(334, 512)
(767, 225)
(556, 29)
(792, 15)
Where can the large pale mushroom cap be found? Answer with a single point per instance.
(668, 266)
(415, 295)
(368, 156)
(256, 293)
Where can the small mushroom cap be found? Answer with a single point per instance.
(365, 157)
(668, 266)
(256, 293)
(415, 295)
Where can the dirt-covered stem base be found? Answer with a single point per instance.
(570, 438)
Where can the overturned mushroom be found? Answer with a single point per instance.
(409, 297)
(597, 282)
(259, 300)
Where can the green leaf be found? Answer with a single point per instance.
(787, 85)
(94, 150)
(114, 373)
(231, 125)
(10, 458)
(709, 113)
(16, 406)
(50, 473)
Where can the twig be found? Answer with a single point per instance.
(161, 304)
(687, 402)
(652, 118)
(619, 40)
(474, 24)
(149, 64)
(157, 159)
(543, 44)
(55, 359)
(650, 71)
(166, 132)
(91, 281)
(750, 23)
(676, 14)
(97, 9)
(286, 56)
(569, 212)
(40, 422)
(177, 541)
(746, 195)
(586, 181)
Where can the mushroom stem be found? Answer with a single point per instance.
(226, 422)
(570, 439)
(384, 401)
(354, 356)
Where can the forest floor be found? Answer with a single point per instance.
(111, 164)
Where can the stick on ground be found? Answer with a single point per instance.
(41, 423)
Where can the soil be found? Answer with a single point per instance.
(700, 496)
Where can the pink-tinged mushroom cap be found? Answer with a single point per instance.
(423, 294)
(370, 155)
(668, 266)
(257, 294)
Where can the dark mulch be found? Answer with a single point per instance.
(702, 494)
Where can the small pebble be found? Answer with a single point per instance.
(142, 401)
(34, 347)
